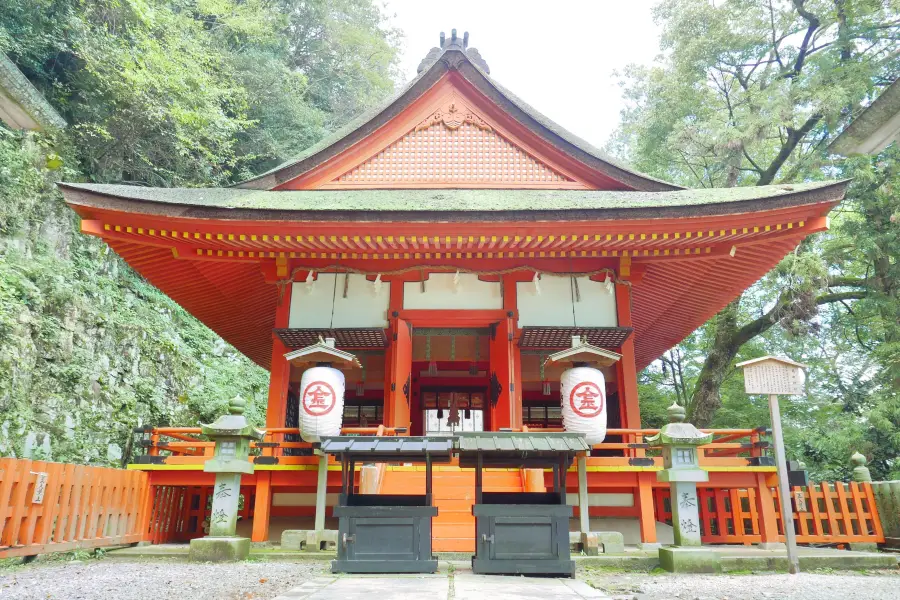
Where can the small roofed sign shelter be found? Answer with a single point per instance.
(451, 240)
(385, 533)
(772, 376)
(521, 532)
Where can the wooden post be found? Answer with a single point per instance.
(584, 516)
(321, 492)
(398, 377)
(626, 371)
(502, 374)
(784, 490)
(765, 509)
(510, 305)
(479, 477)
(645, 502)
(276, 413)
(262, 507)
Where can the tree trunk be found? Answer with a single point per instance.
(706, 399)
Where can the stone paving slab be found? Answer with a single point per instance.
(460, 584)
(368, 587)
(468, 586)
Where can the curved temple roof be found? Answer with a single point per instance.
(413, 186)
(454, 56)
(214, 251)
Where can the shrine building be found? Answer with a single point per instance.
(451, 240)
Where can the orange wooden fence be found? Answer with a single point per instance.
(56, 507)
(826, 513)
(835, 513)
(178, 512)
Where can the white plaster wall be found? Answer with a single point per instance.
(311, 308)
(440, 293)
(553, 306)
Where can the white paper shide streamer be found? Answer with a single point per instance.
(584, 403)
(321, 403)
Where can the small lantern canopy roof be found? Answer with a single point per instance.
(232, 424)
(582, 353)
(322, 352)
(678, 433)
(778, 359)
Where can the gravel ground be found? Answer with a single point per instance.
(805, 586)
(117, 580)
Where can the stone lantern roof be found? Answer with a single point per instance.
(678, 433)
(232, 424)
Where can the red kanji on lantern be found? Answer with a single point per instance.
(586, 399)
(318, 398)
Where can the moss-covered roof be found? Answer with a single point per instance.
(22, 106)
(454, 56)
(452, 204)
(874, 128)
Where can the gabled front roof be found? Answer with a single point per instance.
(876, 127)
(22, 106)
(454, 80)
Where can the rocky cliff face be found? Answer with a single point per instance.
(88, 349)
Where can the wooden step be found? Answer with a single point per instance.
(453, 544)
(453, 530)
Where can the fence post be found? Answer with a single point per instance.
(887, 504)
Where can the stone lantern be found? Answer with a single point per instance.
(232, 435)
(680, 441)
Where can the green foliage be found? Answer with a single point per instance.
(156, 92)
(751, 93)
(199, 92)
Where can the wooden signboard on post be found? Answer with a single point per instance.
(772, 376)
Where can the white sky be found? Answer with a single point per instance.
(558, 55)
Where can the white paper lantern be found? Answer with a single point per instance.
(321, 403)
(583, 391)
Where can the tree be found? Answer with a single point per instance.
(750, 92)
(199, 92)
(156, 92)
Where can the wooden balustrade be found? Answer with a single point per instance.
(55, 507)
(188, 441)
(824, 513)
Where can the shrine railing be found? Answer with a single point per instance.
(730, 448)
(55, 507)
(161, 442)
(824, 514)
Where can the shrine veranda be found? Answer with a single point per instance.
(451, 240)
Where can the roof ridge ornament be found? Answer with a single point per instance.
(453, 115)
(460, 44)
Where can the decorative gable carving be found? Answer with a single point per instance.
(453, 146)
(452, 118)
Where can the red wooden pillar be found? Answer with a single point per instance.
(398, 375)
(276, 413)
(626, 371)
(503, 375)
(645, 503)
(765, 508)
(510, 305)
